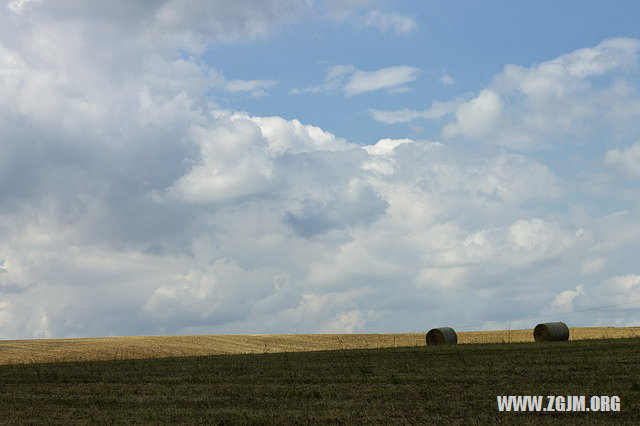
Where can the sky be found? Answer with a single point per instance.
(301, 166)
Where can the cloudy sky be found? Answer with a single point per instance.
(300, 166)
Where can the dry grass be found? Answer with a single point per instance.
(116, 348)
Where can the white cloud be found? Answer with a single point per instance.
(163, 25)
(238, 156)
(532, 234)
(232, 164)
(624, 287)
(437, 110)
(612, 301)
(209, 295)
(335, 79)
(565, 300)
(627, 160)
(386, 146)
(447, 80)
(552, 100)
(593, 266)
(387, 22)
(477, 117)
(346, 322)
(255, 87)
(369, 14)
(132, 204)
(386, 78)
(17, 6)
(352, 81)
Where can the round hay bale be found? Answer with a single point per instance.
(442, 336)
(551, 332)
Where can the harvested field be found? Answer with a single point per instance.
(117, 348)
(448, 384)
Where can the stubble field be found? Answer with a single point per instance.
(352, 379)
(421, 384)
(120, 348)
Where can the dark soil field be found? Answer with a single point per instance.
(455, 384)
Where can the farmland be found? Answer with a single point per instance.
(119, 348)
(453, 384)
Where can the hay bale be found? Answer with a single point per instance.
(551, 332)
(442, 336)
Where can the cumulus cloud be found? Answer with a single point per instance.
(238, 156)
(544, 104)
(612, 301)
(352, 81)
(532, 234)
(623, 288)
(346, 322)
(478, 117)
(567, 299)
(356, 204)
(627, 160)
(167, 24)
(386, 146)
(209, 295)
(132, 203)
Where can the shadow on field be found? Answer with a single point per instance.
(454, 384)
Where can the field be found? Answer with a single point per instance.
(118, 348)
(419, 384)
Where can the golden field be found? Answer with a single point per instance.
(118, 348)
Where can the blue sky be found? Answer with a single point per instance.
(470, 41)
(300, 166)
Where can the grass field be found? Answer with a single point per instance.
(454, 384)
(114, 348)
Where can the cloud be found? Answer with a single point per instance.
(352, 81)
(369, 14)
(254, 87)
(387, 22)
(132, 203)
(165, 25)
(554, 100)
(238, 156)
(593, 266)
(447, 80)
(346, 322)
(612, 301)
(386, 146)
(627, 160)
(209, 295)
(566, 299)
(477, 117)
(391, 78)
(532, 234)
(437, 110)
(17, 6)
(624, 287)
(356, 204)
